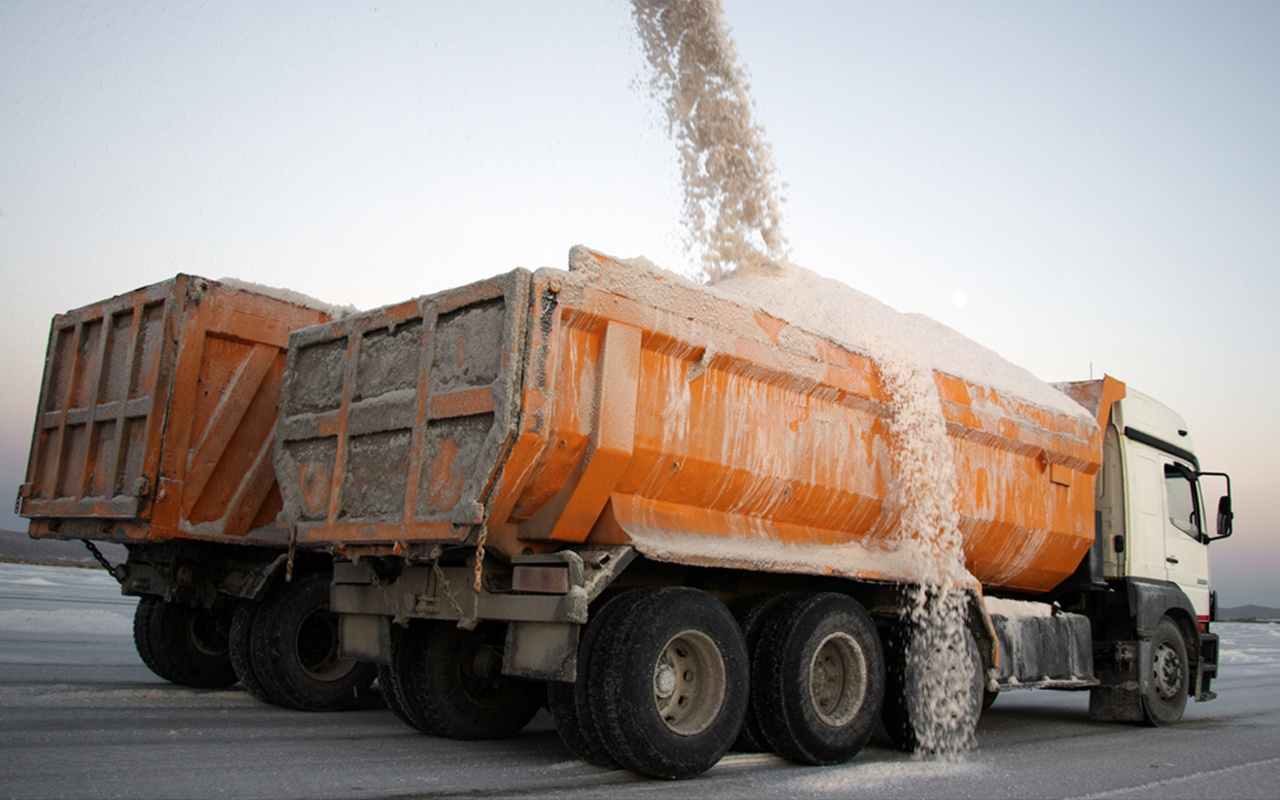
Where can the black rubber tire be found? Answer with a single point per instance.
(989, 698)
(682, 643)
(752, 614)
(294, 650)
(392, 691)
(185, 645)
(240, 644)
(573, 715)
(910, 702)
(825, 643)
(451, 681)
(142, 634)
(1167, 676)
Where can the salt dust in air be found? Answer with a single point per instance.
(733, 218)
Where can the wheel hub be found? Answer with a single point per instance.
(317, 647)
(837, 679)
(1167, 672)
(689, 682)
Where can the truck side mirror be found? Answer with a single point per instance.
(1224, 517)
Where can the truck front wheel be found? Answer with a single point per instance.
(1164, 686)
(818, 679)
(668, 682)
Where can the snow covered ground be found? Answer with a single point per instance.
(82, 717)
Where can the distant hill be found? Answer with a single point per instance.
(1248, 612)
(15, 546)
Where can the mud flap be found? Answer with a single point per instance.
(365, 637)
(541, 650)
(1206, 667)
(1119, 697)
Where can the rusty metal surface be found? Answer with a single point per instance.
(156, 415)
(394, 422)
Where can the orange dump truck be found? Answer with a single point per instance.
(685, 516)
(155, 429)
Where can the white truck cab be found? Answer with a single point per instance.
(1163, 533)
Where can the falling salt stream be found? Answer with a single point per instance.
(732, 214)
(732, 211)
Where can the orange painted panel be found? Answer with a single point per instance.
(646, 410)
(157, 414)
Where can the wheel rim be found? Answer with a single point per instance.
(480, 672)
(837, 679)
(206, 636)
(317, 646)
(689, 683)
(1167, 672)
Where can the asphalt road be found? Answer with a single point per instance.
(81, 717)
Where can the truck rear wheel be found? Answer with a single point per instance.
(668, 683)
(184, 645)
(573, 714)
(391, 694)
(392, 691)
(933, 689)
(752, 614)
(240, 645)
(450, 680)
(142, 634)
(1164, 692)
(818, 679)
(295, 653)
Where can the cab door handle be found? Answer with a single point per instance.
(1171, 559)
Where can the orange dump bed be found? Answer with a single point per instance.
(157, 413)
(613, 404)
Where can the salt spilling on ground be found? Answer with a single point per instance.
(924, 484)
(733, 217)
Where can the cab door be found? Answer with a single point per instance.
(1186, 553)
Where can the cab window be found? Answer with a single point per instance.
(1181, 501)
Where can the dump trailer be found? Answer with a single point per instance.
(678, 519)
(155, 429)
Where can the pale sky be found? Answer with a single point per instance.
(1101, 181)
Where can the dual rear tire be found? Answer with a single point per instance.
(285, 650)
(818, 679)
(447, 681)
(664, 685)
(183, 644)
(661, 687)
